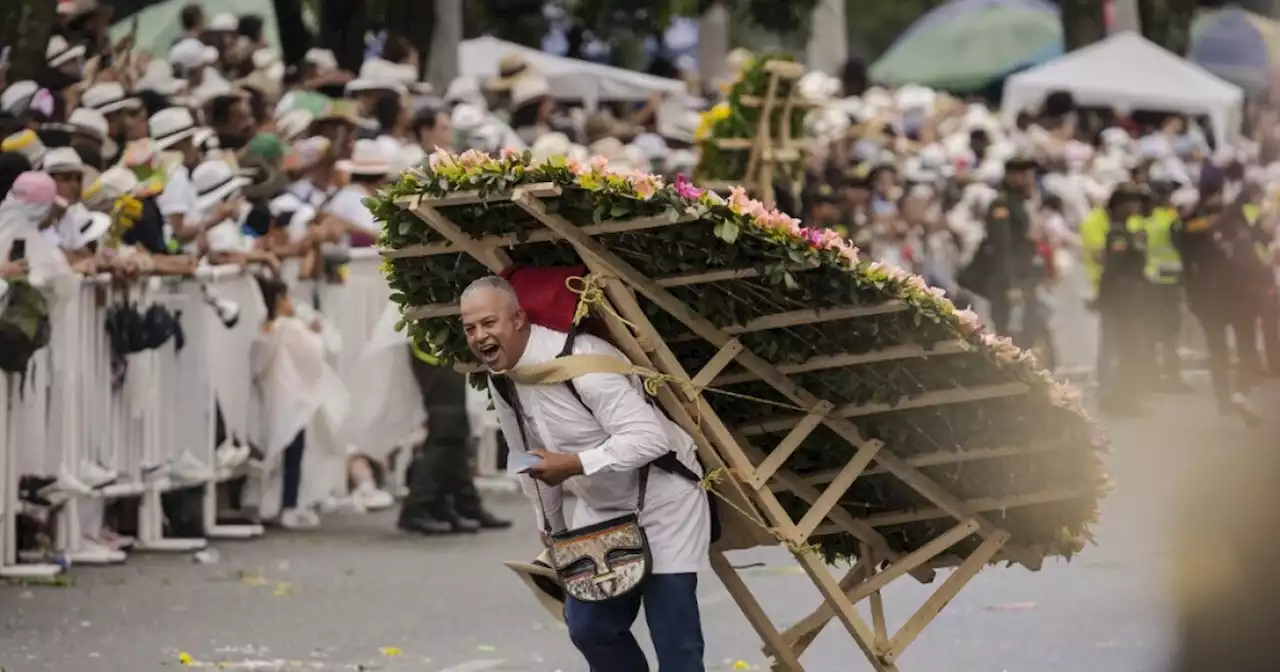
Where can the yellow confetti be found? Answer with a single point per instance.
(391, 651)
(283, 589)
(185, 658)
(486, 648)
(254, 580)
(741, 665)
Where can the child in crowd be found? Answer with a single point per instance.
(304, 404)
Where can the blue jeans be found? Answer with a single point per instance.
(602, 630)
(292, 476)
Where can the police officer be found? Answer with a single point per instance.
(1120, 298)
(443, 498)
(1163, 270)
(1001, 268)
(1267, 307)
(1210, 245)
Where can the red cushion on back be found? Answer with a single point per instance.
(543, 294)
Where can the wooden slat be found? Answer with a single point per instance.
(910, 561)
(538, 190)
(976, 505)
(945, 593)
(830, 498)
(783, 451)
(493, 259)
(942, 458)
(797, 318)
(785, 658)
(826, 362)
(926, 400)
(434, 310)
(539, 236)
(723, 357)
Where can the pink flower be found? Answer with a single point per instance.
(812, 236)
(645, 186)
(917, 283)
(575, 166)
(440, 159)
(938, 293)
(599, 163)
(969, 321)
(739, 202)
(472, 158)
(509, 153)
(686, 189)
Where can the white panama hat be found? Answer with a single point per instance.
(172, 125)
(60, 52)
(377, 74)
(214, 181)
(108, 97)
(529, 88)
(368, 158)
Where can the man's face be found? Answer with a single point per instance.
(69, 184)
(239, 122)
(440, 135)
(497, 329)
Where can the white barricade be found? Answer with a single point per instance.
(75, 408)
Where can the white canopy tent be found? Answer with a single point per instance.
(1128, 72)
(569, 78)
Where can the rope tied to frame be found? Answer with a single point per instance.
(715, 477)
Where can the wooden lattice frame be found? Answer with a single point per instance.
(773, 143)
(755, 476)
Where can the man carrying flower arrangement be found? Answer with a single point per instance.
(597, 436)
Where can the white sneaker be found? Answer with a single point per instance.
(368, 497)
(299, 519)
(95, 475)
(230, 455)
(188, 469)
(66, 487)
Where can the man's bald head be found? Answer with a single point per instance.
(497, 328)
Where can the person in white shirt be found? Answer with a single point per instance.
(595, 439)
(175, 130)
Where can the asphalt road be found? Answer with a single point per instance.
(356, 593)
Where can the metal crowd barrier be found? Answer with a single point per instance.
(70, 407)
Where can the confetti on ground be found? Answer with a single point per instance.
(1013, 606)
(486, 648)
(391, 651)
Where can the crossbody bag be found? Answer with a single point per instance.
(604, 561)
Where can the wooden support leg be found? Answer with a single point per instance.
(785, 660)
(877, 603)
(844, 610)
(801, 634)
(945, 593)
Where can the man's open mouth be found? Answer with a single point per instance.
(490, 351)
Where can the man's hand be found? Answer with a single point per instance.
(9, 269)
(555, 468)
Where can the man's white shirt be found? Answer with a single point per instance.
(621, 432)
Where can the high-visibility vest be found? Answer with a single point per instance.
(1093, 238)
(1252, 215)
(1164, 264)
(423, 355)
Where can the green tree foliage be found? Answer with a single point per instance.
(25, 26)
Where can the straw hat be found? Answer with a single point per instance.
(368, 158)
(543, 581)
(66, 160)
(528, 89)
(191, 54)
(172, 125)
(267, 76)
(306, 153)
(550, 144)
(464, 89)
(92, 123)
(377, 74)
(108, 97)
(511, 68)
(60, 52)
(323, 59)
(214, 182)
(159, 78)
(86, 227)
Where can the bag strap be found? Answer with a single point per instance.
(507, 391)
(669, 462)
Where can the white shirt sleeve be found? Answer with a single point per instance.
(545, 498)
(619, 404)
(348, 205)
(179, 196)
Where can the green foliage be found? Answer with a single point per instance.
(770, 265)
(735, 120)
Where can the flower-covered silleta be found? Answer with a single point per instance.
(894, 354)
